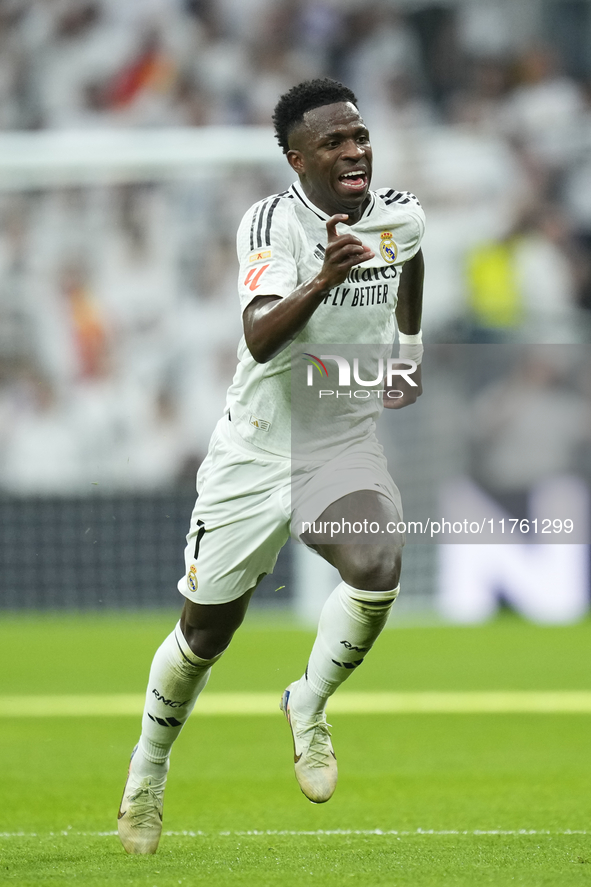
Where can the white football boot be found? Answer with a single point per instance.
(314, 758)
(139, 821)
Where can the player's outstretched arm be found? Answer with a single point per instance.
(272, 323)
(409, 310)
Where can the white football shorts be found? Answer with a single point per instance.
(243, 513)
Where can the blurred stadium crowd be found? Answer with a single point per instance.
(118, 314)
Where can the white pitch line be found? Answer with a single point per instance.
(369, 703)
(366, 833)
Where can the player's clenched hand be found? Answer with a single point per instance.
(343, 252)
(402, 393)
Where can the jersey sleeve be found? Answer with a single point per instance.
(266, 252)
(403, 211)
(416, 224)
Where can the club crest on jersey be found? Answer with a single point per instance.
(192, 578)
(388, 248)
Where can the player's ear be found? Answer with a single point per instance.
(296, 160)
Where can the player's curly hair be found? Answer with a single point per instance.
(306, 96)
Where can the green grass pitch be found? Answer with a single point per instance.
(423, 799)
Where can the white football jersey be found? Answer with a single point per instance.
(281, 244)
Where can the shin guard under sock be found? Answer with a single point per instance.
(177, 677)
(350, 622)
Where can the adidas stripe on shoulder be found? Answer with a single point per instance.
(262, 220)
(391, 196)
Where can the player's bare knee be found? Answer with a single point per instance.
(208, 629)
(374, 568)
(205, 643)
(206, 639)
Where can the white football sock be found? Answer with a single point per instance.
(177, 677)
(350, 622)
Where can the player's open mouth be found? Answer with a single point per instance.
(354, 180)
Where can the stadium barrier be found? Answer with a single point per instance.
(103, 551)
